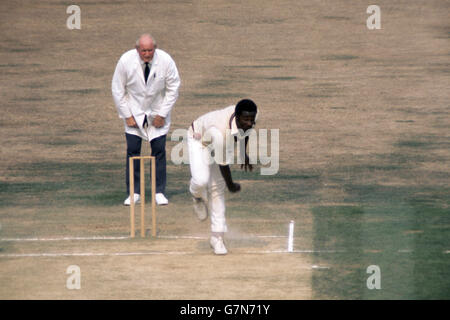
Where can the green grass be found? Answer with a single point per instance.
(34, 85)
(65, 184)
(217, 83)
(318, 95)
(285, 187)
(407, 240)
(30, 99)
(340, 57)
(216, 95)
(425, 144)
(281, 78)
(61, 184)
(80, 91)
(58, 142)
(68, 70)
(337, 18)
(402, 229)
(10, 65)
(20, 50)
(257, 67)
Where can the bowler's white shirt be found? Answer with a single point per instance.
(218, 128)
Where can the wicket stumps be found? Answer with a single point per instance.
(132, 204)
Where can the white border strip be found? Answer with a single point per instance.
(271, 236)
(75, 238)
(61, 239)
(115, 254)
(90, 254)
(296, 251)
(183, 237)
(149, 253)
(207, 237)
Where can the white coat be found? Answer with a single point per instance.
(133, 97)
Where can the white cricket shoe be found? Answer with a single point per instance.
(137, 199)
(218, 245)
(161, 200)
(200, 208)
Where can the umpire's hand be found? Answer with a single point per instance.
(158, 122)
(131, 122)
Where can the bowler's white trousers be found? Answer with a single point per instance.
(207, 182)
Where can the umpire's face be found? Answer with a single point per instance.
(146, 49)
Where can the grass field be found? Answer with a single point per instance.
(364, 151)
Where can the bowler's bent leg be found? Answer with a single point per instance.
(216, 201)
(199, 169)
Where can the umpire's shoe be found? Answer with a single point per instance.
(137, 199)
(161, 199)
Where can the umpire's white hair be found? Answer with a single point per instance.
(145, 35)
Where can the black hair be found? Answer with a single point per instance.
(245, 105)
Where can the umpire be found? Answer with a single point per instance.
(145, 88)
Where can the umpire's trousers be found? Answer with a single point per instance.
(158, 146)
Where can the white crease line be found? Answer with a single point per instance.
(74, 238)
(61, 239)
(206, 238)
(172, 237)
(296, 251)
(124, 254)
(268, 251)
(91, 254)
(316, 267)
(271, 236)
(103, 254)
(319, 251)
(115, 254)
(183, 237)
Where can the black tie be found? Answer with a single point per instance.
(146, 72)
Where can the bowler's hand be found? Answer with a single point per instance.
(234, 187)
(226, 174)
(247, 165)
(131, 122)
(158, 122)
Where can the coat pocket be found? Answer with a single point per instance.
(157, 83)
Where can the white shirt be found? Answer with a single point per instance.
(133, 97)
(218, 129)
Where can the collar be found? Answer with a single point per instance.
(232, 125)
(143, 63)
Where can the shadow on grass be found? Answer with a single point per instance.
(403, 229)
(400, 227)
(64, 184)
(406, 241)
(61, 184)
